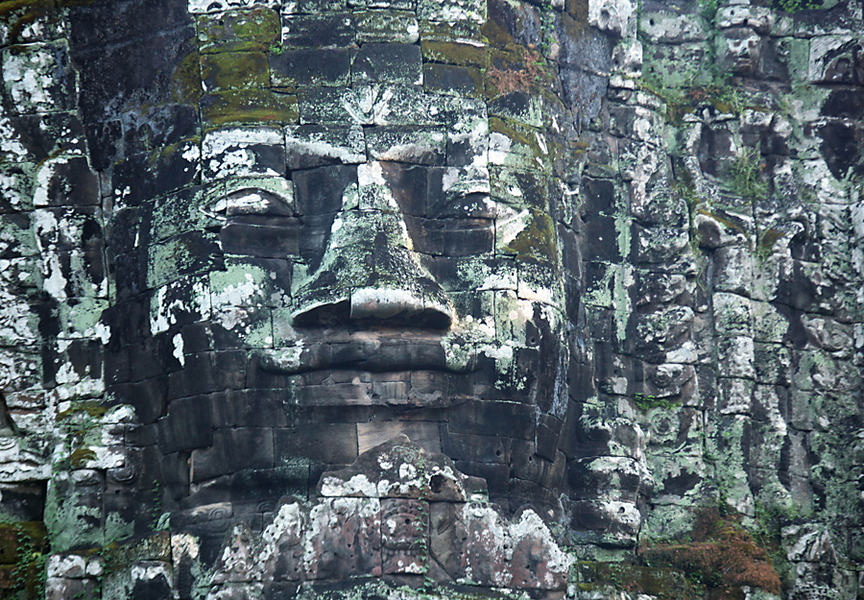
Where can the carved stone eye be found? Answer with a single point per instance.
(252, 201)
(255, 201)
(257, 222)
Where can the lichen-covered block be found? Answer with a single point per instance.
(253, 30)
(243, 152)
(184, 254)
(452, 11)
(377, 25)
(671, 27)
(208, 6)
(291, 7)
(514, 145)
(309, 146)
(324, 30)
(836, 59)
(336, 105)
(59, 588)
(415, 145)
(674, 64)
(310, 67)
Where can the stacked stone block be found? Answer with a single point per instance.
(690, 185)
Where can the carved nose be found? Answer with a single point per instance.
(369, 274)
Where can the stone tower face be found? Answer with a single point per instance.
(296, 294)
(359, 239)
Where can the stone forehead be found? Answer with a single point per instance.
(430, 67)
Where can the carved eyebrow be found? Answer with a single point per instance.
(461, 182)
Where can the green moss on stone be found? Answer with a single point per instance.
(249, 106)
(238, 30)
(234, 70)
(454, 53)
(186, 80)
(537, 240)
(525, 142)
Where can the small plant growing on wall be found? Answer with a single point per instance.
(793, 6)
(745, 175)
(720, 554)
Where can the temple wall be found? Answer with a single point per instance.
(681, 226)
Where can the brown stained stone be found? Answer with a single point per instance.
(447, 534)
(475, 542)
(287, 562)
(423, 433)
(345, 538)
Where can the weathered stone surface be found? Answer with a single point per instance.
(399, 469)
(311, 67)
(603, 255)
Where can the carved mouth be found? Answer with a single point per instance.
(374, 352)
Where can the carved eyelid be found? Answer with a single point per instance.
(249, 201)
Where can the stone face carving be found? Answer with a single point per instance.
(291, 291)
(440, 295)
(362, 237)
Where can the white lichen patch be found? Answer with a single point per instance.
(358, 485)
(18, 324)
(10, 143)
(44, 177)
(178, 298)
(375, 193)
(231, 152)
(237, 287)
(32, 77)
(205, 6)
(452, 11)
(614, 16)
(494, 541)
(344, 144)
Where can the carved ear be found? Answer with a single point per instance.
(251, 201)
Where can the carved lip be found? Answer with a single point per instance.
(374, 352)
